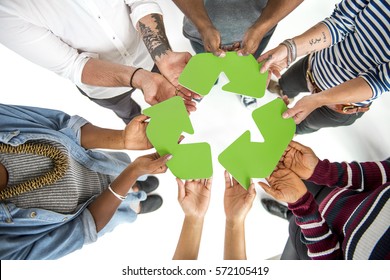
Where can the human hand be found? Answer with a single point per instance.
(194, 196)
(302, 108)
(284, 185)
(212, 40)
(149, 164)
(300, 159)
(250, 41)
(156, 88)
(274, 60)
(134, 134)
(237, 200)
(171, 65)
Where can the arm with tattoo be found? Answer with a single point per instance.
(314, 39)
(170, 63)
(153, 34)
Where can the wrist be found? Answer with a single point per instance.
(205, 26)
(194, 220)
(138, 77)
(260, 29)
(234, 223)
(122, 141)
(163, 59)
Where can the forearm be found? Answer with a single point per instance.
(105, 205)
(153, 34)
(314, 39)
(234, 248)
(189, 241)
(352, 91)
(103, 73)
(273, 13)
(196, 12)
(94, 137)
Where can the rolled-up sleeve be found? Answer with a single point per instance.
(342, 20)
(40, 46)
(378, 79)
(139, 9)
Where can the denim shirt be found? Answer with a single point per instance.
(41, 234)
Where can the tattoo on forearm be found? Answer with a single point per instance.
(155, 39)
(314, 41)
(324, 36)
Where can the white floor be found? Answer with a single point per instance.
(219, 120)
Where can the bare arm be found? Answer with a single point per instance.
(194, 199)
(314, 39)
(133, 137)
(237, 203)
(352, 91)
(234, 248)
(170, 63)
(274, 11)
(104, 206)
(188, 245)
(196, 12)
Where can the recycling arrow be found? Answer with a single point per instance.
(245, 159)
(243, 73)
(168, 120)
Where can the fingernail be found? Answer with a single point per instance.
(169, 157)
(285, 115)
(222, 55)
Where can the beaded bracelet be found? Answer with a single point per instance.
(120, 197)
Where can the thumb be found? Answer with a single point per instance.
(161, 162)
(252, 189)
(243, 52)
(288, 113)
(141, 118)
(267, 189)
(219, 52)
(180, 190)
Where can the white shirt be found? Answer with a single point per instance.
(63, 35)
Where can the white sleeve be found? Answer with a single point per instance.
(139, 9)
(40, 46)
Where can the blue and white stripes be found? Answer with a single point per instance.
(360, 46)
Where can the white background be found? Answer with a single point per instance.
(219, 120)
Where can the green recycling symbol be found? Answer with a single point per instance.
(243, 159)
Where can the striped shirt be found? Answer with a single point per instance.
(353, 221)
(360, 47)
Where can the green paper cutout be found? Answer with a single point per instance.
(245, 159)
(168, 120)
(243, 72)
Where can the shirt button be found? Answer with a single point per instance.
(33, 214)
(113, 38)
(98, 17)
